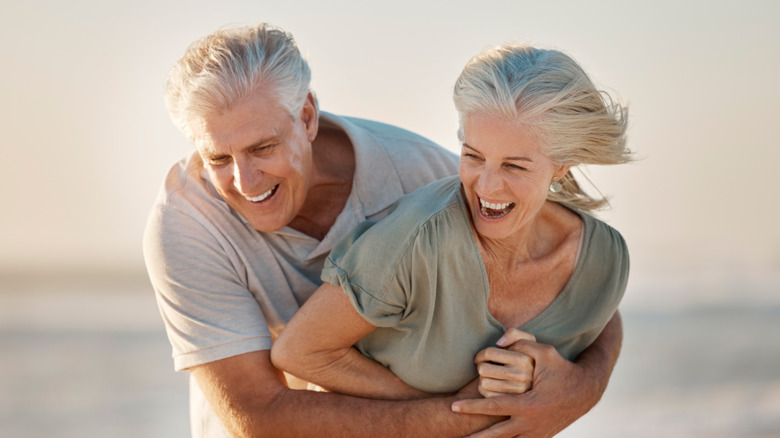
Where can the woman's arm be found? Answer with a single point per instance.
(317, 346)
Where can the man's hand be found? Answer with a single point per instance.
(543, 411)
(562, 391)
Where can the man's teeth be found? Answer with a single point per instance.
(263, 196)
(493, 206)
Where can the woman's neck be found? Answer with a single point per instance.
(552, 225)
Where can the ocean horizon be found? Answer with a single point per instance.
(87, 356)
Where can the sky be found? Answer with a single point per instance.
(87, 142)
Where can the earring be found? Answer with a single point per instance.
(556, 186)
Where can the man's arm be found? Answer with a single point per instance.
(251, 398)
(562, 391)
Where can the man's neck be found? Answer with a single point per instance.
(334, 170)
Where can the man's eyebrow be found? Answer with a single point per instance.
(211, 151)
(518, 158)
(263, 141)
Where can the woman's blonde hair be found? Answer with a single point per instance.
(550, 93)
(218, 70)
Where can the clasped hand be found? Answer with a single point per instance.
(525, 382)
(505, 369)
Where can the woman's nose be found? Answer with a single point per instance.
(489, 182)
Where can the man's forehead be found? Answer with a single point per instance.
(213, 133)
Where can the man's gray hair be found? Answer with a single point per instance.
(230, 64)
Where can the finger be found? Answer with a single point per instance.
(497, 406)
(504, 357)
(488, 394)
(491, 370)
(513, 335)
(506, 378)
(538, 352)
(505, 386)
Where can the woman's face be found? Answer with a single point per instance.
(505, 176)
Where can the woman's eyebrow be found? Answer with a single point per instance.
(519, 158)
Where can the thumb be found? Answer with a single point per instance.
(513, 335)
(501, 405)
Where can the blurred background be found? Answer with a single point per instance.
(87, 142)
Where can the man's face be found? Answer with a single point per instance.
(259, 157)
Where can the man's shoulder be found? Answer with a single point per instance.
(188, 203)
(412, 159)
(386, 130)
(421, 211)
(397, 139)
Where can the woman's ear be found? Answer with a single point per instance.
(560, 172)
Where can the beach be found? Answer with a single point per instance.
(88, 357)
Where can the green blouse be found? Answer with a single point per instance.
(419, 277)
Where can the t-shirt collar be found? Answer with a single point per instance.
(375, 186)
(376, 182)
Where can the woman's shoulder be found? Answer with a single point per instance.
(600, 244)
(603, 233)
(593, 227)
(603, 250)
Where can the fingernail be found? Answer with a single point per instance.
(501, 341)
(455, 407)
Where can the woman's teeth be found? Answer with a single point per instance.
(494, 210)
(493, 206)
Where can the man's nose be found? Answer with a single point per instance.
(243, 176)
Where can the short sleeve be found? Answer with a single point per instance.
(366, 267)
(208, 311)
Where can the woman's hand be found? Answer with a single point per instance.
(503, 370)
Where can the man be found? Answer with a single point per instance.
(239, 233)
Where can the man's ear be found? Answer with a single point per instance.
(310, 117)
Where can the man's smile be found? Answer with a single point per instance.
(264, 196)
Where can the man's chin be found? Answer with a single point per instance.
(266, 226)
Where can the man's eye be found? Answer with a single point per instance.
(263, 149)
(218, 161)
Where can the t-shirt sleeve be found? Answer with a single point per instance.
(208, 311)
(371, 269)
(592, 296)
(615, 266)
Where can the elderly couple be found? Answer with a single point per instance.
(429, 295)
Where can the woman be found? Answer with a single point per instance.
(508, 244)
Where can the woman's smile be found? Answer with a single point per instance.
(492, 210)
